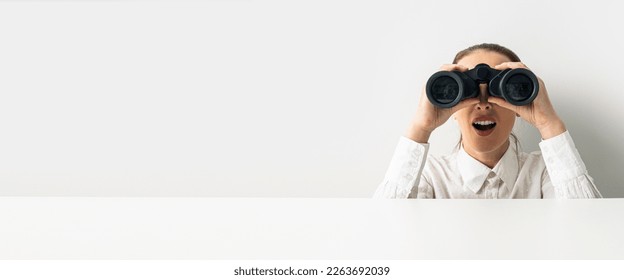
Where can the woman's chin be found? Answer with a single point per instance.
(485, 144)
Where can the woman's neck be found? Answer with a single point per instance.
(488, 158)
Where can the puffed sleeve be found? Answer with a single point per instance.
(404, 172)
(566, 171)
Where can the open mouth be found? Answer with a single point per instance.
(484, 125)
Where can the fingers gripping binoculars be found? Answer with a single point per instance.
(517, 86)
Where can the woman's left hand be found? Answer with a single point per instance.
(540, 113)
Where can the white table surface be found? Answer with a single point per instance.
(299, 228)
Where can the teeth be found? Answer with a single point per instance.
(484, 122)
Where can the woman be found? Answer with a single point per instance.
(487, 164)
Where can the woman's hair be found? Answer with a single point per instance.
(487, 47)
(513, 57)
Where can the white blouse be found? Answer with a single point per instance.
(556, 172)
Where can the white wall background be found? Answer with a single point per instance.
(272, 98)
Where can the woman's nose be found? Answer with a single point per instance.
(483, 98)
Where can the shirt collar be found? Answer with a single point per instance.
(474, 173)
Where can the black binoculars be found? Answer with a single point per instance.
(447, 88)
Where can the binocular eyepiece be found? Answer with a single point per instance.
(447, 88)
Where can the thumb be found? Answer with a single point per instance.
(501, 102)
(465, 103)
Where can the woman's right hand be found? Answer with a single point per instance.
(429, 117)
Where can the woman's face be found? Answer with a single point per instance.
(485, 127)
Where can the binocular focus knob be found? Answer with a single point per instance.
(482, 73)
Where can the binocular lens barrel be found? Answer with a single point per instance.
(447, 88)
(518, 88)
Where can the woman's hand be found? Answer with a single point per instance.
(540, 113)
(429, 117)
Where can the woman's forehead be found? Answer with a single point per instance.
(480, 56)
